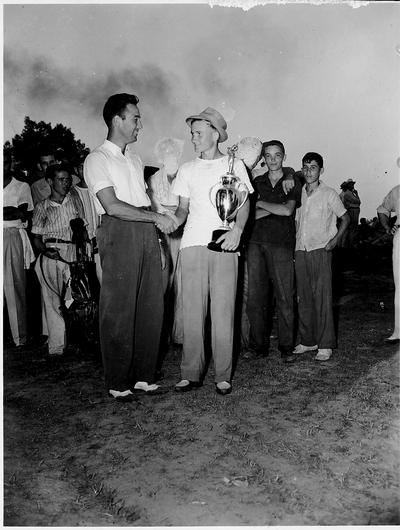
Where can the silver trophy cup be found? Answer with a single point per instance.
(227, 196)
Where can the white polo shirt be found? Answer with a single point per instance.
(194, 181)
(106, 166)
(316, 217)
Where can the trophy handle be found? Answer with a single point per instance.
(245, 193)
(213, 191)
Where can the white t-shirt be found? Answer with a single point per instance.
(15, 194)
(106, 166)
(194, 181)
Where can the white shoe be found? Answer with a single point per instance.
(300, 348)
(142, 385)
(323, 354)
(117, 393)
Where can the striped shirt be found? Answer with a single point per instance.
(51, 219)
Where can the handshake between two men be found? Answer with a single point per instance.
(167, 222)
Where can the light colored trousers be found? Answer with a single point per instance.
(56, 274)
(396, 273)
(208, 275)
(14, 283)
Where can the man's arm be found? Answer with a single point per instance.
(182, 211)
(231, 239)
(286, 209)
(122, 210)
(344, 223)
(384, 220)
(11, 213)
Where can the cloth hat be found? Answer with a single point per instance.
(350, 181)
(343, 185)
(214, 118)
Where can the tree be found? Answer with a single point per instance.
(37, 137)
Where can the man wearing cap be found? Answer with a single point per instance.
(131, 296)
(207, 275)
(351, 202)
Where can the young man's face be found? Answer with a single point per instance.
(204, 137)
(45, 161)
(129, 123)
(311, 171)
(274, 157)
(61, 183)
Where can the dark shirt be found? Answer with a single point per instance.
(277, 230)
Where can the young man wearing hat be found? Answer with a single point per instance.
(351, 202)
(207, 275)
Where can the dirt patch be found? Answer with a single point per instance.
(301, 444)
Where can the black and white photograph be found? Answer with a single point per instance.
(201, 246)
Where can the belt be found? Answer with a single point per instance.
(56, 240)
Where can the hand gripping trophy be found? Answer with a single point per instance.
(227, 196)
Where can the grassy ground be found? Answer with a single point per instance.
(302, 444)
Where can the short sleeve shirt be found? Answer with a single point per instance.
(316, 218)
(391, 203)
(106, 166)
(51, 219)
(15, 194)
(194, 181)
(276, 230)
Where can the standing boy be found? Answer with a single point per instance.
(270, 254)
(316, 237)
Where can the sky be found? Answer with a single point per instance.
(320, 78)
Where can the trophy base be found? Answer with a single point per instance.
(216, 247)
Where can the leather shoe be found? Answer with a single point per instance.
(288, 357)
(391, 340)
(224, 390)
(188, 386)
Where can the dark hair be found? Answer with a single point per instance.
(57, 168)
(316, 157)
(116, 104)
(273, 142)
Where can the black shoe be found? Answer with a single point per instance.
(223, 391)
(191, 385)
(288, 357)
(392, 341)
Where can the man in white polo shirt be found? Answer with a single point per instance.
(131, 296)
(207, 274)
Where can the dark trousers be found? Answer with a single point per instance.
(270, 266)
(314, 294)
(131, 301)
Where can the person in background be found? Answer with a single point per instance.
(92, 217)
(391, 204)
(40, 188)
(207, 276)
(131, 295)
(17, 250)
(316, 237)
(168, 152)
(52, 238)
(351, 202)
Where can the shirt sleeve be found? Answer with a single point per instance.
(39, 219)
(295, 193)
(26, 196)
(96, 173)
(180, 185)
(336, 204)
(387, 205)
(241, 172)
